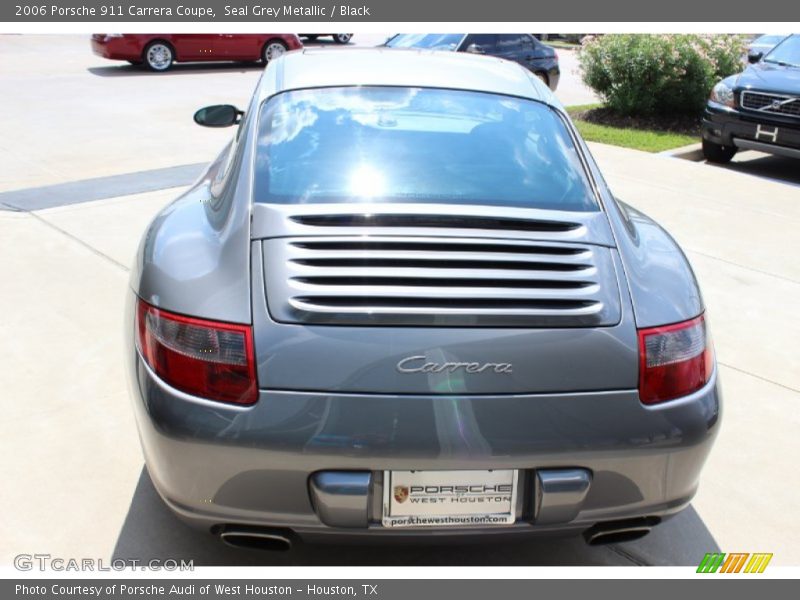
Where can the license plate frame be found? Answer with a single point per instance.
(485, 503)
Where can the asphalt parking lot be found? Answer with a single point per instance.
(91, 150)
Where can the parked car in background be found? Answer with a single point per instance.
(765, 43)
(523, 48)
(758, 109)
(339, 38)
(158, 52)
(402, 304)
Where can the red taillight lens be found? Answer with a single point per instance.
(203, 358)
(674, 360)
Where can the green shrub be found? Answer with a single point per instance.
(653, 74)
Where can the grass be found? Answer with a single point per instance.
(645, 139)
(562, 44)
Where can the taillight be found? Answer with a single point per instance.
(203, 358)
(674, 360)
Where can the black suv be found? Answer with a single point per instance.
(523, 48)
(758, 109)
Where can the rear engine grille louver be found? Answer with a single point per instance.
(440, 281)
(438, 221)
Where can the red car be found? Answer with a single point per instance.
(159, 51)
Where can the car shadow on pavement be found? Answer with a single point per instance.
(151, 531)
(128, 70)
(776, 168)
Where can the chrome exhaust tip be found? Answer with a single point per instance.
(618, 532)
(253, 539)
(617, 537)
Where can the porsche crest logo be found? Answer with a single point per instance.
(401, 493)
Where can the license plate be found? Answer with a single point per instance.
(765, 133)
(449, 498)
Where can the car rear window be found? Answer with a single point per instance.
(390, 144)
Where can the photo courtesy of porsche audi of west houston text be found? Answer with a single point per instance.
(402, 303)
(284, 11)
(150, 590)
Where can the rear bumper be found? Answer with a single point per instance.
(294, 42)
(218, 465)
(554, 75)
(749, 131)
(116, 48)
(549, 67)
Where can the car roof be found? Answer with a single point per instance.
(326, 67)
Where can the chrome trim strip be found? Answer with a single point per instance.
(400, 279)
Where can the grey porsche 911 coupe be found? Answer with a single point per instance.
(403, 304)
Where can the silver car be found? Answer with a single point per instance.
(403, 303)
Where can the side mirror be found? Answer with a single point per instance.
(754, 56)
(475, 49)
(219, 115)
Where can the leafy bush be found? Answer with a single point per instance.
(653, 74)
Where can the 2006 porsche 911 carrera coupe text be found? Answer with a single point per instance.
(402, 302)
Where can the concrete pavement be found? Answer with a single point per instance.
(571, 89)
(72, 463)
(73, 115)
